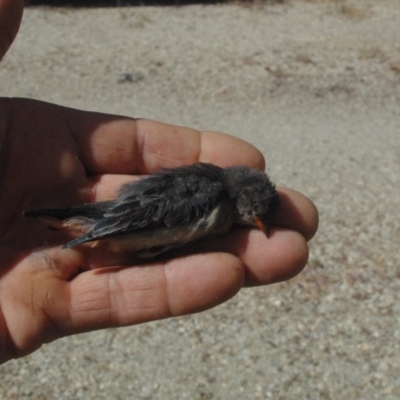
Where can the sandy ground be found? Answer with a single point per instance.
(316, 86)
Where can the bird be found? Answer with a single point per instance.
(170, 209)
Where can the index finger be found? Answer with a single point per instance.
(121, 145)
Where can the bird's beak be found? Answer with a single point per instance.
(261, 226)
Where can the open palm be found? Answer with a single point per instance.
(53, 156)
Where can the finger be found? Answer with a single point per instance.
(296, 212)
(268, 260)
(120, 145)
(10, 19)
(107, 187)
(40, 279)
(125, 296)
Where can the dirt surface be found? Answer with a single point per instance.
(316, 86)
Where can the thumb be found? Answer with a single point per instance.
(10, 19)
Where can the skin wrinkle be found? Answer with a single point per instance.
(137, 152)
(115, 285)
(123, 153)
(129, 149)
(145, 151)
(112, 305)
(168, 312)
(144, 294)
(82, 265)
(140, 144)
(161, 282)
(133, 154)
(163, 156)
(91, 135)
(141, 308)
(68, 308)
(126, 304)
(46, 302)
(195, 156)
(94, 190)
(166, 156)
(199, 140)
(52, 263)
(56, 331)
(88, 313)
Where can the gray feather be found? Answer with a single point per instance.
(173, 207)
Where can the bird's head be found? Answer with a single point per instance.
(254, 194)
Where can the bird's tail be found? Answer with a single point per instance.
(90, 210)
(78, 220)
(57, 213)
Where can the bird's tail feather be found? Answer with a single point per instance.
(93, 211)
(75, 242)
(58, 213)
(77, 220)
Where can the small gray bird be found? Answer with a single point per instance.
(171, 208)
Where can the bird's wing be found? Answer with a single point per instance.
(167, 199)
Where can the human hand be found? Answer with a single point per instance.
(54, 156)
(10, 19)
